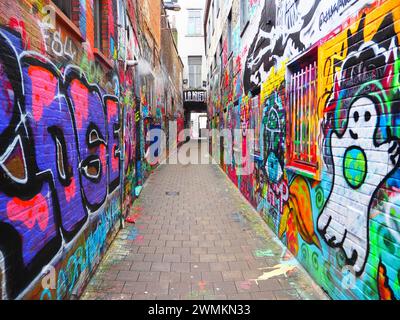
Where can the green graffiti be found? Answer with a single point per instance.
(304, 252)
(340, 259)
(315, 261)
(355, 167)
(389, 241)
(319, 197)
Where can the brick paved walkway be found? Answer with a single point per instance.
(205, 243)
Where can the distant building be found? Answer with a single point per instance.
(189, 24)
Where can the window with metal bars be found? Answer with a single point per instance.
(303, 112)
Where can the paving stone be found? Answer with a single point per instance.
(191, 277)
(246, 286)
(141, 266)
(135, 257)
(166, 237)
(190, 258)
(134, 287)
(225, 287)
(199, 266)
(219, 266)
(174, 243)
(181, 251)
(226, 258)
(232, 276)
(147, 250)
(212, 276)
(269, 285)
(161, 266)
(112, 286)
(170, 276)
(164, 250)
(127, 275)
(238, 265)
(181, 288)
(149, 276)
(208, 258)
(180, 267)
(172, 258)
(157, 257)
(157, 288)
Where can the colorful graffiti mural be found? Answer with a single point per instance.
(342, 224)
(48, 113)
(71, 141)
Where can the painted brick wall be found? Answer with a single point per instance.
(71, 135)
(341, 221)
(60, 162)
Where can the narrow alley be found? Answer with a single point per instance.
(195, 237)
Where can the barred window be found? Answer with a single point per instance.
(303, 112)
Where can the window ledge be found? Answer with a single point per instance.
(68, 23)
(309, 172)
(103, 59)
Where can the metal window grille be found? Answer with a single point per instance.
(303, 102)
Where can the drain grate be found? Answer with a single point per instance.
(172, 193)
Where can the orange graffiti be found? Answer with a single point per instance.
(297, 216)
(385, 292)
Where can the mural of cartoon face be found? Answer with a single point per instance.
(358, 173)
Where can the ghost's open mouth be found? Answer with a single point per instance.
(353, 135)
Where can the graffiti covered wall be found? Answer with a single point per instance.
(72, 118)
(60, 159)
(341, 219)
